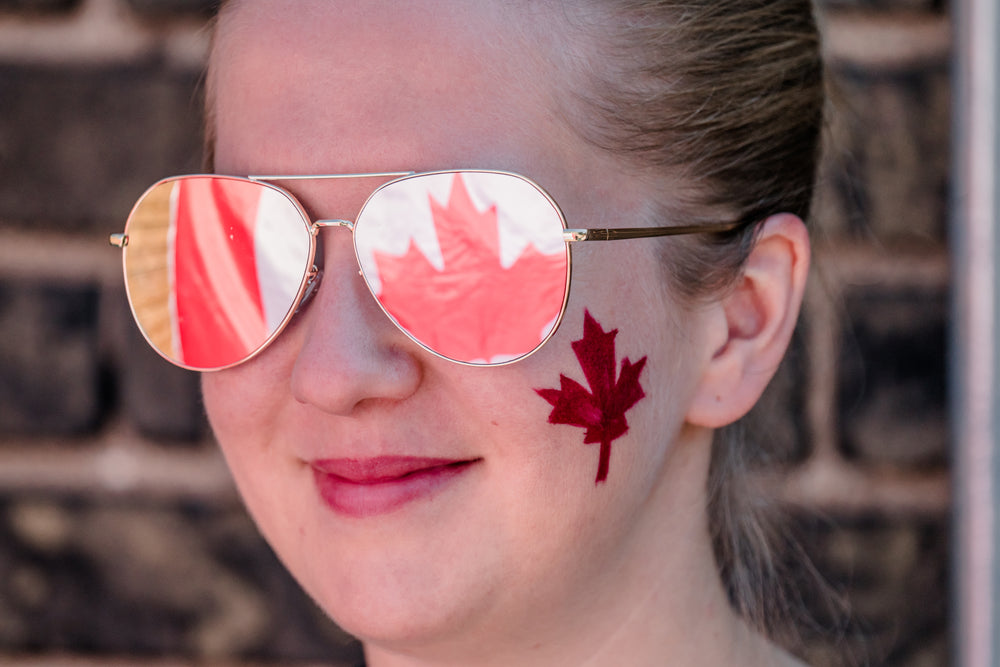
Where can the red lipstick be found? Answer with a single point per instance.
(361, 488)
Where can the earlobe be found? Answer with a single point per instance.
(759, 316)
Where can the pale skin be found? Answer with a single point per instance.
(523, 559)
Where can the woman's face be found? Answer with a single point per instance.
(500, 524)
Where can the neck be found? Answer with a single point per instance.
(661, 603)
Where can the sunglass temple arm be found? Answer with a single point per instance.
(571, 235)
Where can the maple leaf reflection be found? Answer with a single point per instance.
(474, 309)
(602, 409)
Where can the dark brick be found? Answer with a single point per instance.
(886, 170)
(886, 600)
(38, 6)
(159, 399)
(168, 8)
(50, 379)
(79, 145)
(137, 578)
(776, 427)
(893, 376)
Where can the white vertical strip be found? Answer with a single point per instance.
(281, 249)
(974, 340)
(175, 320)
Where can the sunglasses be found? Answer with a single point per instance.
(472, 265)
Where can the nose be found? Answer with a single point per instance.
(351, 355)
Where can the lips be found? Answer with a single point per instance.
(359, 488)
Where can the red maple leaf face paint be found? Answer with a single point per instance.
(474, 307)
(602, 409)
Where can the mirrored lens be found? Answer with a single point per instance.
(214, 266)
(472, 265)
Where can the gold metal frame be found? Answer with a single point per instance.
(311, 273)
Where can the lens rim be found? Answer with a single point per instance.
(308, 270)
(568, 253)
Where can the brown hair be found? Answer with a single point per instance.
(727, 97)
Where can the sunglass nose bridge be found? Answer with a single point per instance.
(320, 224)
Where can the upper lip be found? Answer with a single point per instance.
(381, 468)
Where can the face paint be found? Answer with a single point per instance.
(602, 409)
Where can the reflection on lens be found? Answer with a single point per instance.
(213, 267)
(472, 265)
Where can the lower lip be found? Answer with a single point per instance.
(375, 493)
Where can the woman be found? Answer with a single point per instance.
(565, 508)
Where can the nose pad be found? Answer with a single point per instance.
(315, 278)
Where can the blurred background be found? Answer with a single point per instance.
(122, 540)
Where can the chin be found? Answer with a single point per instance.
(398, 627)
(396, 605)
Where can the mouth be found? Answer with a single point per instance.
(359, 488)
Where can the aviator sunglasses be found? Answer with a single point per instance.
(472, 265)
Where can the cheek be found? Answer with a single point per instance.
(245, 417)
(620, 385)
(617, 394)
(240, 406)
(248, 398)
(601, 409)
(225, 402)
(230, 415)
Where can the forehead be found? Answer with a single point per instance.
(334, 86)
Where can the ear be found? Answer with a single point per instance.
(755, 320)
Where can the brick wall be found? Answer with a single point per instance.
(121, 538)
